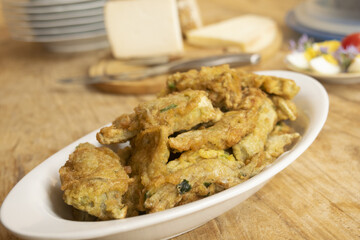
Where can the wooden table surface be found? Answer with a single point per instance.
(316, 197)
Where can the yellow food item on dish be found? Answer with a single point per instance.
(310, 53)
(331, 46)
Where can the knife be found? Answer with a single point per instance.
(234, 60)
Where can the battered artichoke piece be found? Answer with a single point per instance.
(148, 163)
(254, 142)
(150, 155)
(94, 181)
(279, 139)
(228, 131)
(125, 155)
(221, 82)
(282, 87)
(253, 165)
(285, 108)
(224, 134)
(178, 111)
(195, 175)
(134, 197)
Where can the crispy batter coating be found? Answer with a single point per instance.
(225, 133)
(285, 108)
(254, 142)
(276, 144)
(195, 175)
(178, 111)
(150, 155)
(221, 82)
(282, 87)
(94, 181)
(148, 160)
(279, 139)
(134, 197)
(125, 155)
(228, 131)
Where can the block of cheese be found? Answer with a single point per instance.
(251, 33)
(189, 15)
(143, 28)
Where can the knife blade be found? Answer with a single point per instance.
(234, 60)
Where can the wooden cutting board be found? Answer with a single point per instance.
(152, 85)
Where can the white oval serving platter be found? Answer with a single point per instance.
(34, 208)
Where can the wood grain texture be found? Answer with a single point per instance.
(316, 197)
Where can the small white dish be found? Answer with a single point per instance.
(34, 208)
(340, 78)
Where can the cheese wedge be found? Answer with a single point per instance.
(251, 33)
(143, 28)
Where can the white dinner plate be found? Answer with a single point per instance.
(10, 16)
(78, 45)
(34, 208)
(55, 8)
(52, 31)
(325, 23)
(61, 37)
(37, 3)
(292, 22)
(19, 24)
(340, 78)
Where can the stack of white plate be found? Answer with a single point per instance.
(61, 25)
(326, 19)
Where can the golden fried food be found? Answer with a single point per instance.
(221, 82)
(150, 155)
(195, 175)
(254, 142)
(281, 137)
(178, 111)
(282, 87)
(228, 131)
(94, 181)
(134, 197)
(276, 144)
(285, 108)
(224, 134)
(210, 130)
(148, 163)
